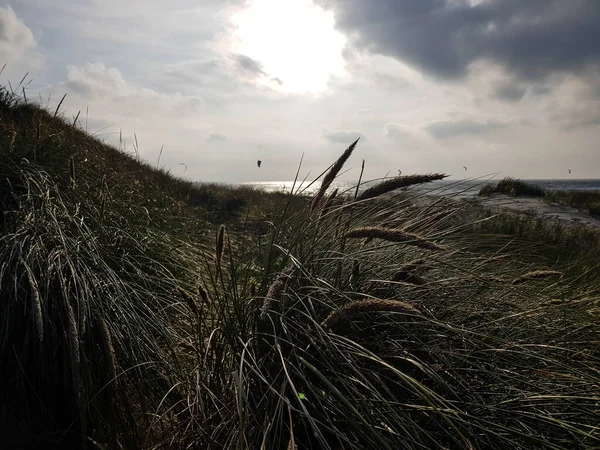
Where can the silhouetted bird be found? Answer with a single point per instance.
(399, 172)
(569, 170)
(258, 163)
(465, 167)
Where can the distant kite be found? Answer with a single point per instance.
(465, 167)
(399, 172)
(185, 167)
(569, 170)
(258, 163)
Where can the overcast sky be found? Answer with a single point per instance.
(500, 86)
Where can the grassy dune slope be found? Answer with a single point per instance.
(129, 318)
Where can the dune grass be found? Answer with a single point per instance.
(514, 188)
(588, 201)
(143, 311)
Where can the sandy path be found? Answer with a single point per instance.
(540, 208)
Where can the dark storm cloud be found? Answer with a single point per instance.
(250, 65)
(344, 136)
(532, 38)
(447, 129)
(509, 92)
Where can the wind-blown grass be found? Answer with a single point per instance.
(131, 325)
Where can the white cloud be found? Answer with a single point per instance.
(17, 46)
(15, 36)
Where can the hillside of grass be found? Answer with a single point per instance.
(138, 310)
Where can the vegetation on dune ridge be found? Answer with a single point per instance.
(514, 188)
(130, 318)
(587, 201)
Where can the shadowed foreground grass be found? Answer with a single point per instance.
(129, 318)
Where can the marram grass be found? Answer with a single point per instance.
(458, 362)
(391, 235)
(398, 182)
(367, 306)
(536, 275)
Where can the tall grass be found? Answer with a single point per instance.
(136, 319)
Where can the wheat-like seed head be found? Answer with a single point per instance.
(189, 300)
(398, 182)
(203, 295)
(72, 170)
(108, 349)
(536, 275)
(73, 337)
(391, 235)
(366, 306)
(277, 288)
(220, 244)
(330, 176)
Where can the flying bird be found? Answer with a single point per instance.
(569, 170)
(184, 167)
(465, 167)
(258, 163)
(399, 172)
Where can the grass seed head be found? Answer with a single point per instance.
(330, 176)
(536, 275)
(399, 182)
(392, 235)
(366, 306)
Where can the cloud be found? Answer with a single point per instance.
(509, 92)
(390, 82)
(115, 104)
(397, 131)
(216, 137)
(344, 136)
(451, 129)
(107, 85)
(250, 65)
(532, 38)
(15, 37)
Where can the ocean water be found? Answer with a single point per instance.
(452, 188)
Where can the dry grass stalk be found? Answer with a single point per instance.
(407, 277)
(330, 176)
(366, 306)
(398, 182)
(277, 288)
(73, 337)
(108, 349)
(536, 275)
(189, 300)
(391, 235)
(329, 202)
(355, 270)
(417, 264)
(36, 304)
(220, 243)
(72, 170)
(203, 295)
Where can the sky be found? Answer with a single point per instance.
(503, 87)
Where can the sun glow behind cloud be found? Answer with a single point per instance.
(294, 40)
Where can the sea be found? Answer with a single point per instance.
(466, 188)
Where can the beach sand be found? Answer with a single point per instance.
(539, 208)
